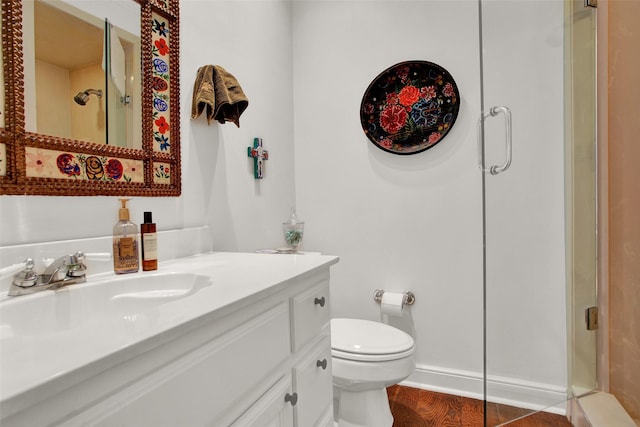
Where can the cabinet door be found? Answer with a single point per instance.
(271, 410)
(207, 385)
(313, 384)
(326, 419)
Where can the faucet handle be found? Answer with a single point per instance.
(75, 265)
(27, 277)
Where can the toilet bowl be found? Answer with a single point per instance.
(367, 357)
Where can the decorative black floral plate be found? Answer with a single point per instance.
(410, 107)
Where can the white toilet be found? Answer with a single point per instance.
(367, 357)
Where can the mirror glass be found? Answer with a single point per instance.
(87, 80)
(91, 98)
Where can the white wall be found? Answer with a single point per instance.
(415, 222)
(397, 222)
(251, 40)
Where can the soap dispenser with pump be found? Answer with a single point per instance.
(125, 242)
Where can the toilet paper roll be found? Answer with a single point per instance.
(392, 304)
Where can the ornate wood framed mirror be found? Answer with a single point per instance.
(34, 162)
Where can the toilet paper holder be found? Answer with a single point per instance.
(408, 298)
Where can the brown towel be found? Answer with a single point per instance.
(219, 92)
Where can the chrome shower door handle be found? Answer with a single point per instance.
(495, 169)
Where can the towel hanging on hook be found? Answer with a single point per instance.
(218, 92)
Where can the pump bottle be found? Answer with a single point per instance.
(149, 240)
(125, 242)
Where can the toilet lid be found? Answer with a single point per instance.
(354, 338)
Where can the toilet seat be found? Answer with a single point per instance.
(368, 341)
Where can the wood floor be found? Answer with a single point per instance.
(413, 407)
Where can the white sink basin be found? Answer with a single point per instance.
(109, 301)
(51, 333)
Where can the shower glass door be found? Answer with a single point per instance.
(536, 151)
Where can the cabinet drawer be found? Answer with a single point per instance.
(313, 384)
(310, 313)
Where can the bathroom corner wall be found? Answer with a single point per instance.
(624, 203)
(251, 39)
(411, 222)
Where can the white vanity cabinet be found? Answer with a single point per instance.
(309, 390)
(263, 361)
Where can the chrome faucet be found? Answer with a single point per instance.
(64, 271)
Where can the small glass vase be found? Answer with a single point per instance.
(293, 234)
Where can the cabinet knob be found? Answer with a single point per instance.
(322, 363)
(319, 301)
(291, 398)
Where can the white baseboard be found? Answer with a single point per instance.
(507, 391)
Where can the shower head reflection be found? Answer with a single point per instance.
(83, 97)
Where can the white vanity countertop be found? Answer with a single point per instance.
(31, 360)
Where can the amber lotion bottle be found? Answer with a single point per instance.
(149, 243)
(125, 242)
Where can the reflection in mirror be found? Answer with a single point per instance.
(86, 71)
(138, 85)
(123, 87)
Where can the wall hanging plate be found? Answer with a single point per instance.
(410, 107)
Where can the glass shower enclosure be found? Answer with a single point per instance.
(536, 151)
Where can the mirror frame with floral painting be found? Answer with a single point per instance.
(37, 164)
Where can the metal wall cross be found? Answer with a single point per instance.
(259, 155)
